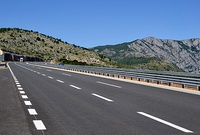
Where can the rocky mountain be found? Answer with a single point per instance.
(184, 54)
(31, 43)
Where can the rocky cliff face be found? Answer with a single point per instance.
(185, 53)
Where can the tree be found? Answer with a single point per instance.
(38, 39)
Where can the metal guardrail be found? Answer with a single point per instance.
(2, 65)
(1, 57)
(132, 74)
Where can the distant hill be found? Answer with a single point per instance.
(147, 53)
(28, 42)
(153, 53)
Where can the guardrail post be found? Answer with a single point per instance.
(183, 85)
(198, 88)
(158, 82)
(169, 83)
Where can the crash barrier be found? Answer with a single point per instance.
(174, 79)
(2, 65)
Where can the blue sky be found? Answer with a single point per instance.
(90, 23)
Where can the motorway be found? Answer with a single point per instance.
(66, 103)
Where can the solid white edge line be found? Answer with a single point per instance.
(165, 122)
(15, 79)
(39, 125)
(75, 87)
(109, 100)
(27, 103)
(109, 84)
(32, 112)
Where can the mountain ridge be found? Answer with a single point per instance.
(183, 53)
(148, 53)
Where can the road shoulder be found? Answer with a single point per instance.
(12, 117)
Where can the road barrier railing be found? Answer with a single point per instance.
(170, 80)
(2, 64)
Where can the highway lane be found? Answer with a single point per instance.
(163, 97)
(65, 109)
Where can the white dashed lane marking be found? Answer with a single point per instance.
(60, 81)
(75, 87)
(66, 74)
(50, 77)
(109, 100)
(32, 112)
(109, 84)
(24, 96)
(20, 88)
(22, 92)
(27, 103)
(39, 125)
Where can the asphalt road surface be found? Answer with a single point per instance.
(66, 103)
(13, 120)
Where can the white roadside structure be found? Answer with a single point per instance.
(1, 55)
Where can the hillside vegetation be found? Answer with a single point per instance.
(28, 42)
(149, 53)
